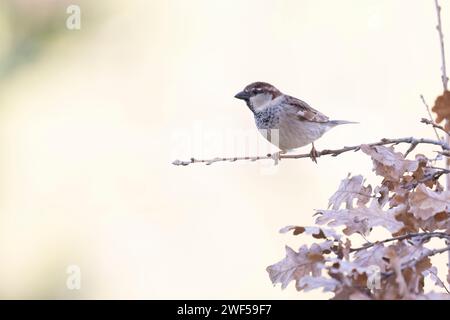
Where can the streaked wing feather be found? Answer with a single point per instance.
(305, 111)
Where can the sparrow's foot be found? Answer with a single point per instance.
(314, 154)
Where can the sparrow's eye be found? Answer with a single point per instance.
(256, 90)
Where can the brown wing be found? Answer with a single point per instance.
(304, 111)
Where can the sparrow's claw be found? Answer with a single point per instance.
(314, 154)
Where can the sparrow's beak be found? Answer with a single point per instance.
(242, 95)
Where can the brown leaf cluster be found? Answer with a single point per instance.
(409, 204)
(350, 189)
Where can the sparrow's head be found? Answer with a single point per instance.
(258, 95)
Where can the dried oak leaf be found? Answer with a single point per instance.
(351, 274)
(423, 174)
(408, 251)
(383, 192)
(316, 232)
(415, 277)
(308, 283)
(442, 108)
(296, 265)
(432, 273)
(349, 189)
(410, 222)
(425, 203)
(396, 265)
(389, 164)
(409, 263)
(362, 220)
(342, 249)
(440, 221)
(371, 257)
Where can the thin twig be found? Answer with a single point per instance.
(277, 156)
(423, 235)
(445, 153)
(435, 126)
(440, 281)
(441, 41)
(430, 116)
(440, 169)
(434, 176)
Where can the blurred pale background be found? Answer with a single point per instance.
(90, 121)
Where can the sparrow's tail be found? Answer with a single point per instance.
(339, 122)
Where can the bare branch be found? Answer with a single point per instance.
(435, 126)
(445, 153)
(278, 156)
(441, 170)
(422, 235)
(441, 41)
(413, 145)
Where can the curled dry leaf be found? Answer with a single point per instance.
(389, 164)
(442, 109)
(395, 264)
(425, 203)
(410, 223)
(406, 252)
(373, 256)
(440, 221)
(383, 195)
(316, 232)
(342, 249)
(349, 189)
(362, 220)
(423, 174)
(296, 265)
(400, 195)
(409, 264)
(432, 273)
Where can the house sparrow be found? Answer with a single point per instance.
(297, 123)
